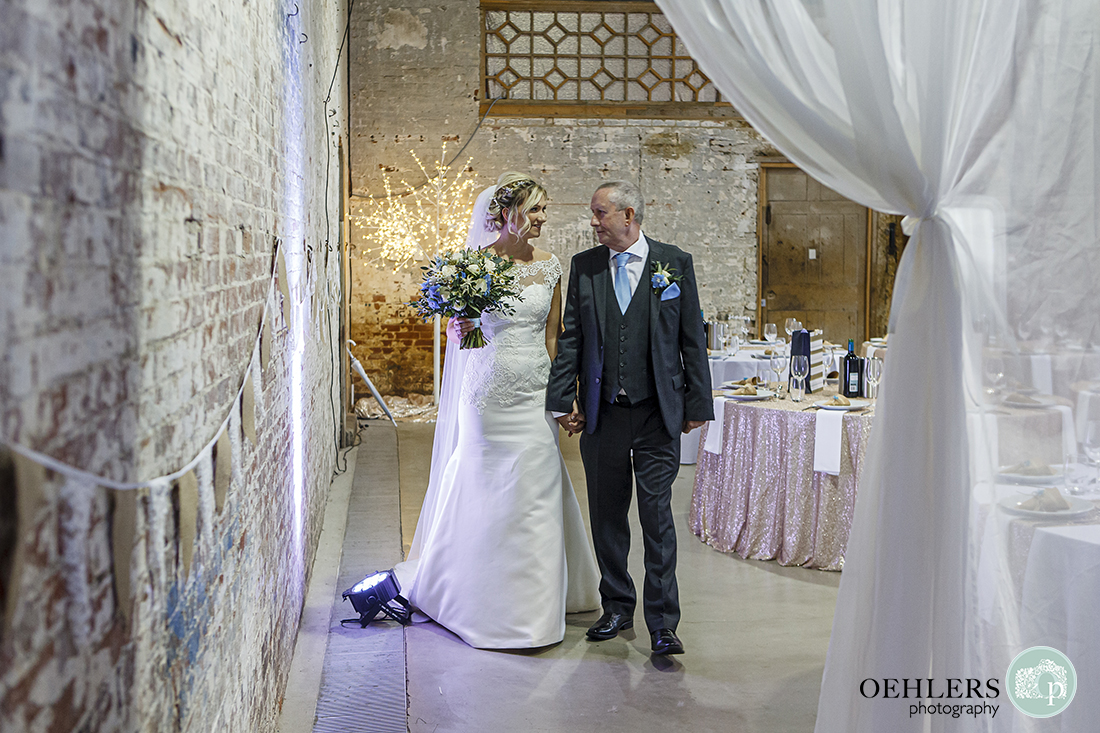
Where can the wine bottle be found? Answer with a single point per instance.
(851, 373)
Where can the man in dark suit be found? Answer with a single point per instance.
(634, 357)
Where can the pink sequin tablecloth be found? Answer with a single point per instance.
(760, 496)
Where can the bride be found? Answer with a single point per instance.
(500, 553)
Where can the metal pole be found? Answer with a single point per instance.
(436, 319)
(435, 360)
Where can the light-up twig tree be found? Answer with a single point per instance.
(413, 225)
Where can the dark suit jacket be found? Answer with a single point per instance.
(678, 346)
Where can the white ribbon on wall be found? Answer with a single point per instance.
(203, 484)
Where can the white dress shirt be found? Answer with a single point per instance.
(635, 266)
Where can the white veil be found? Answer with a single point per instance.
(479, 236)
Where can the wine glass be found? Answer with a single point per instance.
(874, 374)
(744, 328)
(1091, 445)
(779, 364)
(994, 373)
(770, 332)
(800, 369)
(789, 326)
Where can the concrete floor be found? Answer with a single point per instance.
(756, 635)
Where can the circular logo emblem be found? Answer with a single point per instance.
(1041, 682)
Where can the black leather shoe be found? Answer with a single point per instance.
(609, 626)
(665, 642)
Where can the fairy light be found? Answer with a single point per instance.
(414, 224)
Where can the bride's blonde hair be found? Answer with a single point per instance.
(516, 195)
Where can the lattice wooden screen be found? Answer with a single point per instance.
(590, 59)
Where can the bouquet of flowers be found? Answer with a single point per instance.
(466, 284)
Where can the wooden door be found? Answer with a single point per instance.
(813, 256)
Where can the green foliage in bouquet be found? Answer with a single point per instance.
(466, 284)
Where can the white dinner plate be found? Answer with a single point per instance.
(1077, 507)
(1040, 402)
(761, 394)
(1009, 477)
(856, 405)
(762, 356)
(877, 342)
(732, 384)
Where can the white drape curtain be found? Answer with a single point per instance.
(977, 119)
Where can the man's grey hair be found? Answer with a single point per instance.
(625, 195)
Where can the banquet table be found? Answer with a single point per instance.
(1050, 372)
(1056, 569)
(747, 362)
(760, 497)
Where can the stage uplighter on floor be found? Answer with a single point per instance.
(378, 593)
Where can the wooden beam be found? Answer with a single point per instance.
(761, 199)
(574, 6)
(613, 110)
(867, 278)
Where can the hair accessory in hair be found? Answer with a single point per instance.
(505, 195)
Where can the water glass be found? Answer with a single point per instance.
(800, 369)
(994, 373)
(770, 332)
(1070, 478)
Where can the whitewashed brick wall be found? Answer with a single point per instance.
(151, 156)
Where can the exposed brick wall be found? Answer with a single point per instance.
(392, 342)
(151, 157)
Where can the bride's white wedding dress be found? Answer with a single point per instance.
(501, 553)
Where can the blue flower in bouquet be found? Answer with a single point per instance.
(467, 284)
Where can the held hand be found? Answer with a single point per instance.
(690, 425)
(573, 422)
(457, 328)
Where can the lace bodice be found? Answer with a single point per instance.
(514, 363)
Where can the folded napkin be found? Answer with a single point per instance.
(1069, 433)
(715, 427)
(827, 439)
(1042, 378)
(1088, 408)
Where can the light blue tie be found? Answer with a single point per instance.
(622, 281)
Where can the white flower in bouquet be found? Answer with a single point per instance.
(467, 284)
